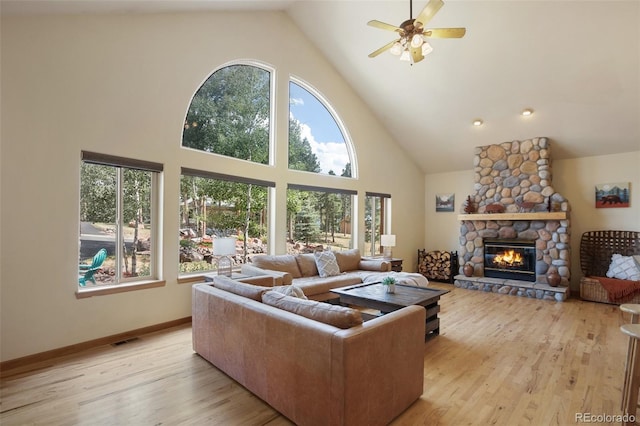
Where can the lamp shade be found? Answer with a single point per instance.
(224, 246)
(417, 40)
(388, 240)
(426, 49)
(396, 49)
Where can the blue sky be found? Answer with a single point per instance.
(319, 127)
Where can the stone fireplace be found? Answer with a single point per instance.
(520, 230)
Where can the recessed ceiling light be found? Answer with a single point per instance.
(477, 122)
(527, 112)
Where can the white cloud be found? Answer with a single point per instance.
(331, 155)
(296, 101)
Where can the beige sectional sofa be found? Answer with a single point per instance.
(301, 270)
(313, 372)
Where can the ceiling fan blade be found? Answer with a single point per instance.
(445, 32)
(382, 49)
(427, 13)
(416, 54)
(383, 26)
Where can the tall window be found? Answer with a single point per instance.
(230, 114)
(316, 142)
(375, 218)
(318, 218)
(213, 206)
(118, 198)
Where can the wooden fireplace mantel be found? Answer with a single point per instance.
(514, 216)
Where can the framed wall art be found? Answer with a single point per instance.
(445, 202)
(612, 195)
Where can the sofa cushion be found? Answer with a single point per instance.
(263, 280)
(348, 260)
(316, 285)
(283, 263)
(250, 291)
(337, 316)
(326, 264)
(279, 277)
(624, 268)
(307, 264)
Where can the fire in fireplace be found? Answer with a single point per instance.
(510, 259)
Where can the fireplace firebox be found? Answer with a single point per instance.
(510, 259)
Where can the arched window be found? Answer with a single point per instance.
(317, 141)
(230, 114)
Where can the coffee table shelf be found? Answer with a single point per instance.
(374, 296)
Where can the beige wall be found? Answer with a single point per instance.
(574, 178)
(121, 85)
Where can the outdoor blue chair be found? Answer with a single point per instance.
(87, 271)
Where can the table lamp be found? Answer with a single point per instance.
(223, 248)
(387, 241)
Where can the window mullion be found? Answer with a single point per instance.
(155, 243)
(374, 220)
(119, 227)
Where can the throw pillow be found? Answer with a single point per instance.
(249, 291)
(335, 315)
(326, 264)
(374, 265)
(348, 260)
(290, 290)
(624, 268)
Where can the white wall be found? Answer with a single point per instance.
(574, 178)
(121, 85)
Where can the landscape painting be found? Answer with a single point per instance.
(612, 195)
(445, 202)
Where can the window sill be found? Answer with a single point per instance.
(83, 293)
(190, 279)
(200, 277)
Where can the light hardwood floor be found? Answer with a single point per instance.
(499, 359)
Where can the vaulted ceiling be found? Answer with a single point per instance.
(576, 64)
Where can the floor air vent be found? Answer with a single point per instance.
(122, 342)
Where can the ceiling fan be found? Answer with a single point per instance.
(412, 45)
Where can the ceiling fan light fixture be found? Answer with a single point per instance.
(426, 49)
(412, 45)
(417, 40)
(396, 49)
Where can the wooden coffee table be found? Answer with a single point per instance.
(374, 296)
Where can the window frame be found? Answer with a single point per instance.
(191, 277)
(336, 191)
(155, 272)
(336, 118)
(271, 150)
(385, 221)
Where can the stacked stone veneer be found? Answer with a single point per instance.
(510, 174)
